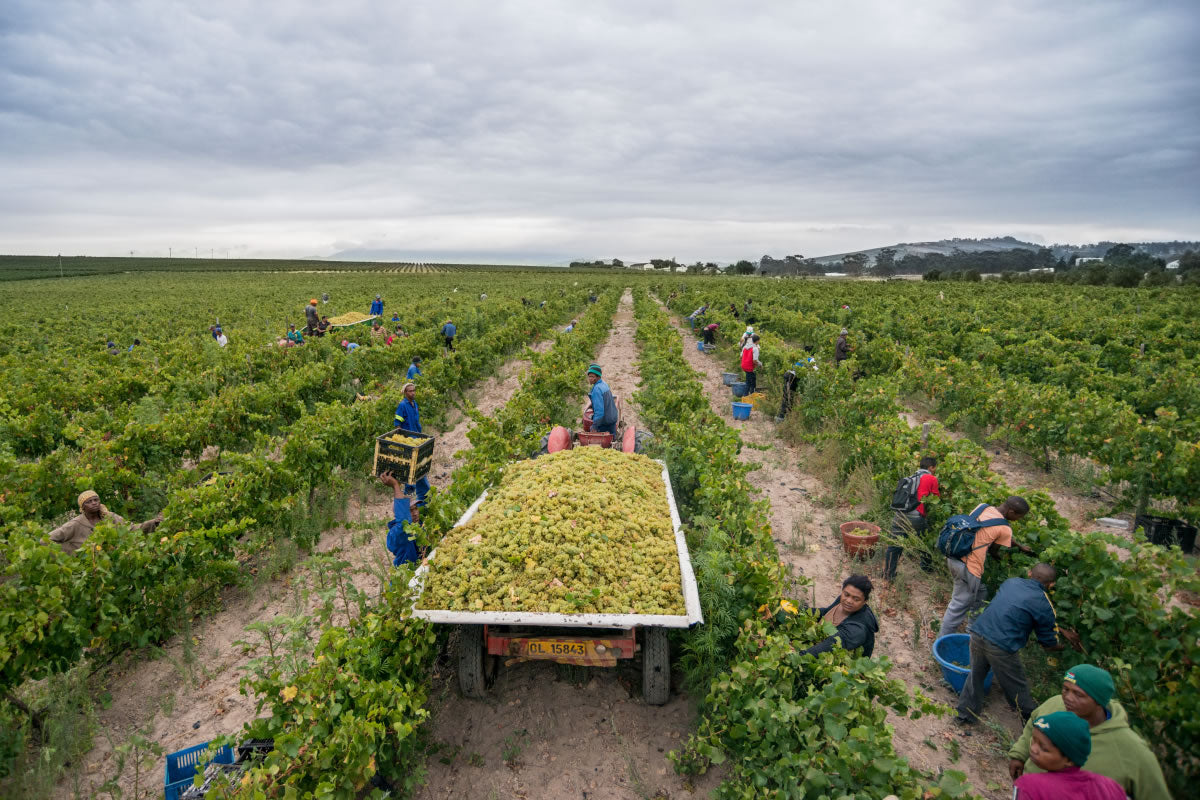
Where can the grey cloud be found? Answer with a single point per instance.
(718, 124)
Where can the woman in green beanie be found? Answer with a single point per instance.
(1117, 751)
(1060, 746)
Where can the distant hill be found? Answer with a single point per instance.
(948, 246)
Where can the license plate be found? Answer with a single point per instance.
(554, 649)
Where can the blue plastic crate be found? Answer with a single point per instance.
(181, 767)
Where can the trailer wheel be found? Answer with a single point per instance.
(476, 669)
(656, 666)
(641, 439)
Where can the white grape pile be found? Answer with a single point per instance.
(580, 531)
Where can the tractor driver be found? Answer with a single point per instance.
(604, 407)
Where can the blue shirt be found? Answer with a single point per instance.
(408, 416)
(413, 371)
(399, 543)
(604, 408)
(448, 330)
(1020, 607)
(377, 307)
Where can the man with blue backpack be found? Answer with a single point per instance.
(966, 540)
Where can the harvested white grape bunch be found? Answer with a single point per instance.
(580, 531)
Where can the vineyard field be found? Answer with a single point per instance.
(244, 446)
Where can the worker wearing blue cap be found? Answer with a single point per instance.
(604, 407)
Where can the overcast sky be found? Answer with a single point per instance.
(547, 131)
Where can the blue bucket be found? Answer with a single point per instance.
(953, 654)
(739, 388)
(741, 410)
(700, 346)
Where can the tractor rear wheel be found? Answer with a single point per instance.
(656, 666)
(476, 669)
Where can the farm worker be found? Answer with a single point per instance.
(294, 335)
(1021, 606)
(377, 329)
(746, 336)
(710, 332)
(136, 343)
(310, 316)
(377, 306)
(750, 363)
(399, 543)
(74, 532)
(849, 613)
(408, 418)
(323, 326)
(483, 296)
(414, 369)
(733, 310)
(1117, 751)
(604, 407)
(1061, 744)
(841, 348)
(746, 307)
(570, 327)
(113, 350)
(222, 339)
(395, 316)
(349, 345)
(912, 521)
(448, 331)
(968, 592)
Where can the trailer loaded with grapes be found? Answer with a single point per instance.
(575, 557)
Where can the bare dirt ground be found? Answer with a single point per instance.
(189, 694)
(549, 732)
(805, 512)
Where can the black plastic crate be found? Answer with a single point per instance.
(1165, 531)
(254, 749)
(408, 461)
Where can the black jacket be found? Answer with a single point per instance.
(856, 630)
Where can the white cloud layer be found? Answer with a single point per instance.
(540, 131)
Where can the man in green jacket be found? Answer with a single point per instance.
(1117, 751)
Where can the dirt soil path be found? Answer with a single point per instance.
(189, 694)
(549, 731)
(805, 513)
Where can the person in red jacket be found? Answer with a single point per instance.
(913, 522)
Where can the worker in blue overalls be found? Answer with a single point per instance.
(400, 542)
(377, 306)
(408, 417)
(604, 407)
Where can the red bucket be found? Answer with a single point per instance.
(859, 538)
